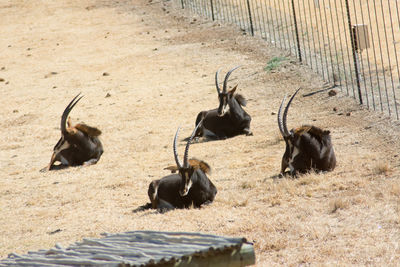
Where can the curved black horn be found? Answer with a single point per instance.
(216, 82)
(286, 111)
(280, 124)
(178, 164)
(226, 78)
(66, 112)
(186, 155)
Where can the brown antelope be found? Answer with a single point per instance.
(189, 187)
(79, 144)
(229, 119)
(307, 147)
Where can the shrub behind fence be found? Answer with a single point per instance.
(351, 43)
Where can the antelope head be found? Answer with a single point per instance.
(186, 171)
(224, 96)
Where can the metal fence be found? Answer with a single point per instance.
(351, 43)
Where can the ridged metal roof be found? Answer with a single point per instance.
(137, 248)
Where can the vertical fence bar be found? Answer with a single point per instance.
(313, 38)
(299, 22)
(250, 18)
(394, 49)
(183, 6)
(359, 54)
(287, 27)
(373, 49)
(328, 77)
(307, 33)
(354, 51)
(369, 66)
(388, 55)
(381, 56)
(296, 31)
(341, 51)
(212, 10)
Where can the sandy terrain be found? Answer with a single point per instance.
(160, 66)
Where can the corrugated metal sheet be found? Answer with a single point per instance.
(138, 248)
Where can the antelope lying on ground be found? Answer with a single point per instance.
(307, 147)
(190, 187)
(229, 119)
(78, 145)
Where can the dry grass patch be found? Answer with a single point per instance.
(395, 188)
(382, 168)
(338, 204)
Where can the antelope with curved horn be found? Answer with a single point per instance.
(229, 119)
(79, 144)
(189, 187)
(307, 147)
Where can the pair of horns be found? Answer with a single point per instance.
(225, 80)
(66, 112)
(282, 119)
(186, 155)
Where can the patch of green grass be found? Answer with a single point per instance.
(274, 63)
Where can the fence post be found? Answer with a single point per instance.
(212, 10)
(353, 48)
(250, 18)
(297, 31)
(183, 6)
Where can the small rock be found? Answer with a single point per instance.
(108, 95)
(155, 49)
(54, 232)
(348, 114)
(2, 80)
(7, 82)
(15, 111)
(54, 87)
(106, 74)
(335, 109)
(3, 68)
(273, 113)
(332, 93)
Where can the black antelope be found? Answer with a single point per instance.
(189, 187)
(307, 147)
(79, 144)
(229, 119)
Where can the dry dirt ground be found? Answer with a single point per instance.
(160, 63)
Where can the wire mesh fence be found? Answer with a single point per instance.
(350, 43)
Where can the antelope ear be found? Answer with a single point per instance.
(199, 164)
(91, 131)
(172, 168)
(69, 122)
(70, 129)
(232, 91)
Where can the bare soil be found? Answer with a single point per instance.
(147, 67)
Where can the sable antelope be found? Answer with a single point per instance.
(78, 145)
(189, 187)
(307, 147)
(229, 119)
